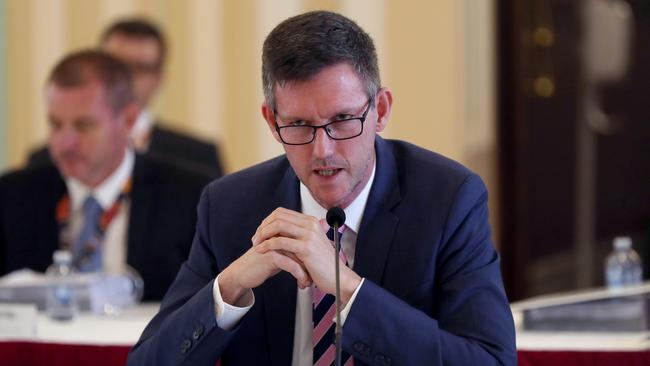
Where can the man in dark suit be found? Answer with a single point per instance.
(422, 285)
(146, 207)
(142, 47)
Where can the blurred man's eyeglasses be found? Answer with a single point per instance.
(299, 133)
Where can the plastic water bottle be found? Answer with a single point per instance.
(61, 300)
(623, 265)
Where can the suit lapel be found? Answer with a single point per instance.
(379, 223)
(157, 138)
(279, 292)
(49, 237)
(141, 201)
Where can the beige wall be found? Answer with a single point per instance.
(436, 56)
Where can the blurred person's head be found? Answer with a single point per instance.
(141, 46)
(321, 68)
(91, 109)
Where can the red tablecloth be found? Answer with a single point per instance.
(55, 354)
(590, 358)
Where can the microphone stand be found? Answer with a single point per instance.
(335, 219)
(338, 330)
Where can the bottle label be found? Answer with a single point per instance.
(61, 302)
(63, 294)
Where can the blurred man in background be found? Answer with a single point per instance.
(142, 47)
(111, 207)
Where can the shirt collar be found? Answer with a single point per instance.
(143, 124)
(107, 191)
(354, 211)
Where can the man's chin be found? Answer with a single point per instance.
(330, 199)
(70, 170)
(329, 191)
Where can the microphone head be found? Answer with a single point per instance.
(335, 216)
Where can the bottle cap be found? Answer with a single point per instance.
(62, 256)
(622, 243)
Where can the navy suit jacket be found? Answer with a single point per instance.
(168, 145)
(432, 294)
(161, 223)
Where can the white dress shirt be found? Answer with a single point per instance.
(115, 237)
(141, 131)
(228, 315)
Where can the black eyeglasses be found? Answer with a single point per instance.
(340, 129)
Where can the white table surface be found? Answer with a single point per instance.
(121, 330)
(125, 329)
(578, 341)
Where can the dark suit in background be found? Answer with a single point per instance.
(160, 228)
(433, 292)
(184, 149)
(167, 144)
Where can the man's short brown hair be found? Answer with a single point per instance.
(138, 28)
(302, 46)
(83, 67)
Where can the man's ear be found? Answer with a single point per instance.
(269, 117)
(159, 80)
(130, 114)
(384, 105)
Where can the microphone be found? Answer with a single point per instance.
(335, 216)
(335, 219)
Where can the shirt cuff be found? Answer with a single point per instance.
(346, 309)
(229, 315)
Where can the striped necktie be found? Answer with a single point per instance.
(87, 248)
(324, 311)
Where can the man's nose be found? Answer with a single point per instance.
(323, 144)
(68, 139)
